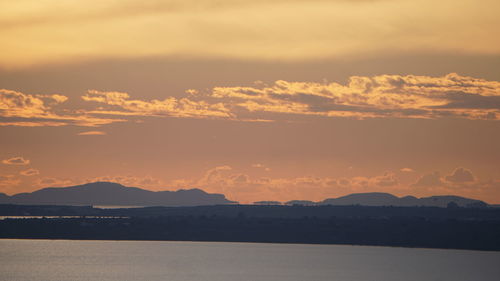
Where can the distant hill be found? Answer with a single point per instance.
(267, 203)
(386, 199)
(365, 199)
(301, 203)
(108, 193)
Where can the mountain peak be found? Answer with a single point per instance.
(110, 193)
(102, 184)
(387, 199)
(371, 194)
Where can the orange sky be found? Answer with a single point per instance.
(259, 100)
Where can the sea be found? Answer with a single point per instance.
(74, 260)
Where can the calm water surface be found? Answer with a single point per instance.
(54, 260)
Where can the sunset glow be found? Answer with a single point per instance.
(258, 100)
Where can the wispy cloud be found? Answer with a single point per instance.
(26, 110)
(406, 170)
(246, 188)
(16, 161)
(383, 96)
(8, 181)
(29, 172)
(249, 30)
(459, 181)
(17, 104)
(429, 180)
(169, 107)
(128, 180)
(460, 175)
(92, 133)
(27, 13)
(53, 182)
(261, 166)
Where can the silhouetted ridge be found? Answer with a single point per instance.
(386, 199)
(301, 203)
(366, 199)
(267, 203)
(109, 193)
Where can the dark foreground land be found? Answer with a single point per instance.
(428, 227)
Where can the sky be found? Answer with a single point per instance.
(258, 100)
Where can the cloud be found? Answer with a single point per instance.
(17, 104)
(8, 181)
(460, 181)
(169, 107)
(406, 170)
(365, 184)
(30, 172)
(214, 175)
(388, 179)
(261, 166)
(460, 178)
(20, 109)
(53, 182)
(126, 180)
(259, 30)
(245, 188)
(383, 96)
(16, 161)
(132, 181)
(92, 133)
(32, 124)
(126, 8)
(429, 180)
(460, 175)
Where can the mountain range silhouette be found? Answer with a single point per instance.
(109, 193)
(387, 199)
(115, 194)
